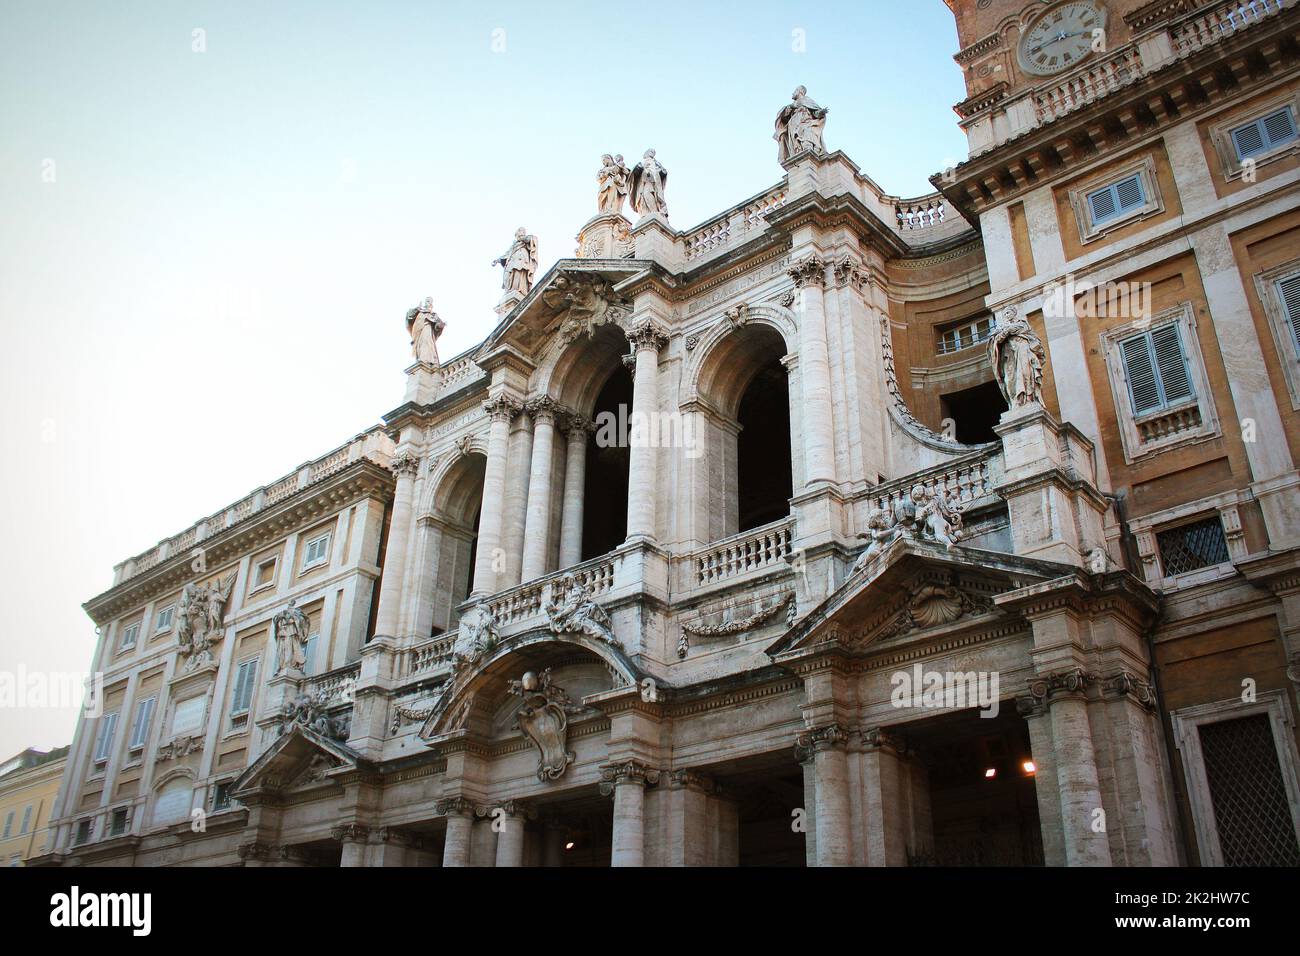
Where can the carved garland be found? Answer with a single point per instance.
(756, 619)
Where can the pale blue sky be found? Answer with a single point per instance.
(211, 291)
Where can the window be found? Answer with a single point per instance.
(9, 825)
(143, 717)
(1188, 547)
(264, 573)
(1279, 290)
(118, 826)
(1264, 134)
(244, 680)
(130, 634)
(316, 551)
(1155, 367)
(83, 832)
(104, 742)
(27, 819)
(1113, 202)
(309, 653)
(221, 796)
(164, 619)
(964, 334)
(1288, 293)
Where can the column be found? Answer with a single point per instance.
(394, 847)
(460, 824)
(537, 526)
(500, 410)
(809, 275)
(508, 819)
(353, 836)
(1045, 786)
(627, 782)
(519, 466)
(404, 466)
(824, 748)
(646, 340)
(575, 475)
(884, 804)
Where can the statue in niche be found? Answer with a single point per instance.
(544, 718)
(1018, 358)
(481, 630)
(290, 640)
(648, 182)
(199, 620)
(577, 613)
(424, 328)
(519, 262)
(799, 126)
(613, 182)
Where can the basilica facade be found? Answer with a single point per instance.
(840, 529)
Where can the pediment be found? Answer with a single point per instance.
(298, 759)
(914, 589)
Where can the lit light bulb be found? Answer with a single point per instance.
(990, 773)
(569, 845)
(1029, 766)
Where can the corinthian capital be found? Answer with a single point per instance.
(808, 271)
(544, 409)
(629, 772)
(454, 806)
(647, 335)
(350, 833)
(830, 737)
(405, 465)
(501, 409)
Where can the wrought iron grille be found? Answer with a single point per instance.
(1192, 546)
(1249, 797)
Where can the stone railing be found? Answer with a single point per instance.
(374, 445)
(736, 223)
(968, 479)
(753, 550)
(423, 658)
(525, 601)
(1168, 423)
(924, 212)
(1209, 26)
(334, 687)
(459, 372)
(1088, 84)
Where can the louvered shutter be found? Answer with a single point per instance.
(1278, 127)
(1140, 372)
(1171, 364)
(1129, 193)
(143, 717)
(1288, 290)
(1249, 140)
(244, 686)
(1101, 204)
(104, 744)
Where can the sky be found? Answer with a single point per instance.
(214, 216)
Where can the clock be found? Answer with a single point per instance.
(1061, 37)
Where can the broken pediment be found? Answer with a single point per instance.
(297, 759)
(574, 298)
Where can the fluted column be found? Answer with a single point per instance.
(537, 526)
(824, 748)
(510, 833)
(627, 782)
(575, 476)
(460, 825)
(809, 275)
(500, 410)
(647, 340)
(404, 466)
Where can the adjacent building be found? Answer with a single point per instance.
(29, 784)
(842, 528)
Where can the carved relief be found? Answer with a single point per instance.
(308, 711)
(200, 619)
(577, 613)
(923, 515)
(754, 620)
(586, 301)
(180, 747)
(544, 718)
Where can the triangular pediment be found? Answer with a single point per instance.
(297, 759)
(914, 588)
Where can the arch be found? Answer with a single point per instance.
(718, 347)
(470, 699)
(452, 483)
(447, 539)
(178, 781)
(582, 368)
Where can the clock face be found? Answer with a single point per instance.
(1062, 37)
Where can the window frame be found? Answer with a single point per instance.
(1153, 202)
(170, 611)
(324, 559)
(274, 561)
(236, 713)
(1267, 284)
(134, 628)
(104, 738)
(1233, 166)
(963, 326)
(131, 746)
(1227, 506)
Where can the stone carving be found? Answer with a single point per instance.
(424, 327)
(290, 640)
(799, 126)
(630, 772)
(180, 747)
(464, 445)
(199, 620)
(925, 514)
(481, 631)
(613, 182)
(1017, 357)
(741, 625)
(648, 182)
(934, 605)
(544, 718)
(308, 711)
(519, 263)
(1098, 561)
(577, 613)
(403, 715)
(881, 531)
(901, 411)
(586, 302)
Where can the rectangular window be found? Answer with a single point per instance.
(9, 825)
(104, 742)
(1264, 134)
(118, 826)
(143, 717)
(244, 680)
(963, 335)
(164, 620)
(316, 551)
(1251, 811)
(1188, 547)
(1155, 365)
(1111, 202)
(83, 832)
(1288, 294)
(221, 796)
(27, 819)
(264, 574)
(130, 634)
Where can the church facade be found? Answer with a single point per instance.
(840, 529)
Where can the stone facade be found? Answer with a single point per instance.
(893, 564)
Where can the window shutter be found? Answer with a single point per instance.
(244, 686)
(104, 744)
(1130, 193)
(1140, 372)
(1171, 364)
(1249, 140)
(143, 717)
(1288, 291)
(1278, 128)
(1102, 204)
(27, 819)
(309, 652)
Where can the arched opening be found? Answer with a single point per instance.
(606, 485)
(748, 476)
(450, 544)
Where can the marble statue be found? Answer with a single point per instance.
(799, 126)
(924, 515)
(519, 262)
(308, 711)
(613, 182)
(1017, 357)
(424, 328)
(577, 613)
(199, 620)
(290, 640)
(881, 530)
(938, 516)
(648, 182)
(481, 630)
(544, 718)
